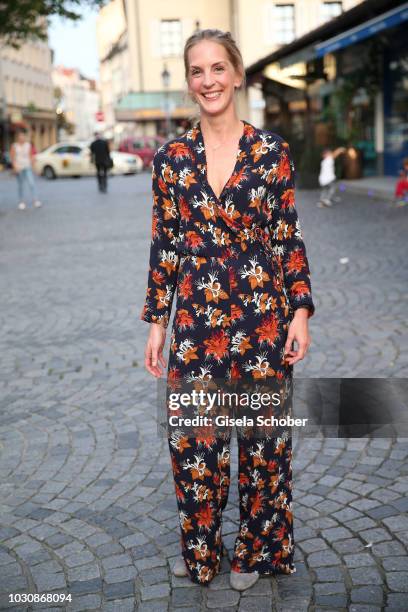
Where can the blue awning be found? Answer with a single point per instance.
(365, 30)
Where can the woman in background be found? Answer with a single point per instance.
(22, 157)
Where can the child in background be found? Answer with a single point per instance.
(327, 176)
(401, 188)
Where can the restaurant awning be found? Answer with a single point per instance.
(363, 20)
(363, 31)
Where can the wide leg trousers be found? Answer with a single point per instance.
(231, 321)
(265, 541)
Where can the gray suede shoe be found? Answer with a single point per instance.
(243, 581)
(179, 568)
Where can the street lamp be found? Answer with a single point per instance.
(166, 82)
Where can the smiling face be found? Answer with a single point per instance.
(212, 77)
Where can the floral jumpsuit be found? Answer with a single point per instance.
(239, 265)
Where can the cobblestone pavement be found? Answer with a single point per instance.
(86, 498)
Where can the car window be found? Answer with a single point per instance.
(74, 149)
(63, 149)
(137, 144)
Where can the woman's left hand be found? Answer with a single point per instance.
(299, 332)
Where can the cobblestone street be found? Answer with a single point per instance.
(87, 503)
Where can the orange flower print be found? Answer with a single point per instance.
(205, 518)
(256, 504)
(217, 345)
(158, 277)
(178, 150)
(185, 212)
(268, 331)
(283, 171)
(162, 298)
(186, 286)
(295, 262)
(288, 198)
(237, 178)
(193, 239)
(236, 312)
(189, 180)
(299, 289)
(184, 319)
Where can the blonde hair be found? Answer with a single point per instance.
(222, 38)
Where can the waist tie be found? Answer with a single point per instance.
(243, 237)
(255, 234)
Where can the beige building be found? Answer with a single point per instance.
(79, 101)
(138, 41)
(26, 93)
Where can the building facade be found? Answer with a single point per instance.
(141, 44)
(26, 94)
(79, 100)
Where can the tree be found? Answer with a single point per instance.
(24, 19)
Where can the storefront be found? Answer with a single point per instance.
(351, 76)
(396, 103)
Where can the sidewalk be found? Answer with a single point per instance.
(87, 503)
(381, 187)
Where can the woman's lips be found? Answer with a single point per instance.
(213, 96)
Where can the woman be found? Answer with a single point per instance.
(243, 297)
(22, 156)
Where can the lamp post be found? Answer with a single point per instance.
(166, 82)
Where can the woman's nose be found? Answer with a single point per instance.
(208, 80)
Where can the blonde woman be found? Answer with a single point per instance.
(227, 238)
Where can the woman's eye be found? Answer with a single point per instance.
(219, 68)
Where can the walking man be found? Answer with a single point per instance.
(102, 160)
(22, 159)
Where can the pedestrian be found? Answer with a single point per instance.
(327, 176)
(101, 158)
(226, 237)
(22, 157)
(401, 188)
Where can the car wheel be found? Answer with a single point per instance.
(49, 173)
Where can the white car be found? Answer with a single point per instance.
(74, 159)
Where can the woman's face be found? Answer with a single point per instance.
(210, 70)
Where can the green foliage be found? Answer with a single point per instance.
(339, 112)
(21, 20)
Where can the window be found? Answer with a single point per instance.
(170, 37)
(331, 10)
(283, 23)
(61, 150)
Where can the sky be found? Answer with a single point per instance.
(74, 43)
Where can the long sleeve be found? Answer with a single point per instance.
(285, 230)
(164, 259)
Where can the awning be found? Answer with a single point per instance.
(363, 31)
(361, 21)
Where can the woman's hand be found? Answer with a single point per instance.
(154, 349)
(298, 331)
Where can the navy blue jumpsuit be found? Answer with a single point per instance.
(238, 266)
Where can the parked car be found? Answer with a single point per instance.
(123, 163)
(74, 159)
(143, 146)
